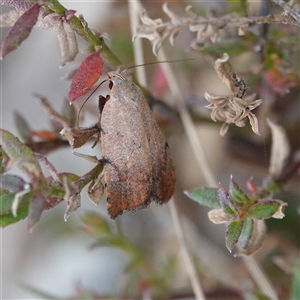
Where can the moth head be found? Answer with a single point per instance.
(115, 78)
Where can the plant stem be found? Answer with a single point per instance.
(259, 276)
(189, 264)
(86, 33)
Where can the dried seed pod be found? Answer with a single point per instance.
(138, 165)
(226, 72)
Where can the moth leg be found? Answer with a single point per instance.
(98, 126)
(106, 161)
(101, 103)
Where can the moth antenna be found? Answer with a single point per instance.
(157, 62)
(77, 121)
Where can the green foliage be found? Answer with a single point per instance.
(233, 233)
(241, 211)
(6, 216)
(246, 232)
(20, 198)
(236, 194)
(226, 202)
(205, 196)
(263, 210)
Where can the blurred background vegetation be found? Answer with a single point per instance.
(142, 257)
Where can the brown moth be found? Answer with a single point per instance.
(138, 166)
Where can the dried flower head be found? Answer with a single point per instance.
(232, 108)
(157, 31)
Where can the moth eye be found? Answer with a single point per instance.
(111, 85)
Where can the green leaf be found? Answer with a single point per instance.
(235, 192)
(20, 155)
(205, 196)
(6, 216)
(227, 204)
(233, 232)
(246, 232)
(263, 209)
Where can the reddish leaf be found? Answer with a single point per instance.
(87, 74)
(45, 135)
(20, 31)
(159, 83)
(251, 186)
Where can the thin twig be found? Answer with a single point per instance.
(258, 275)
(195, 282)
(134, 13)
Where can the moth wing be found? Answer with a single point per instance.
(163, 168)
(125, 148)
